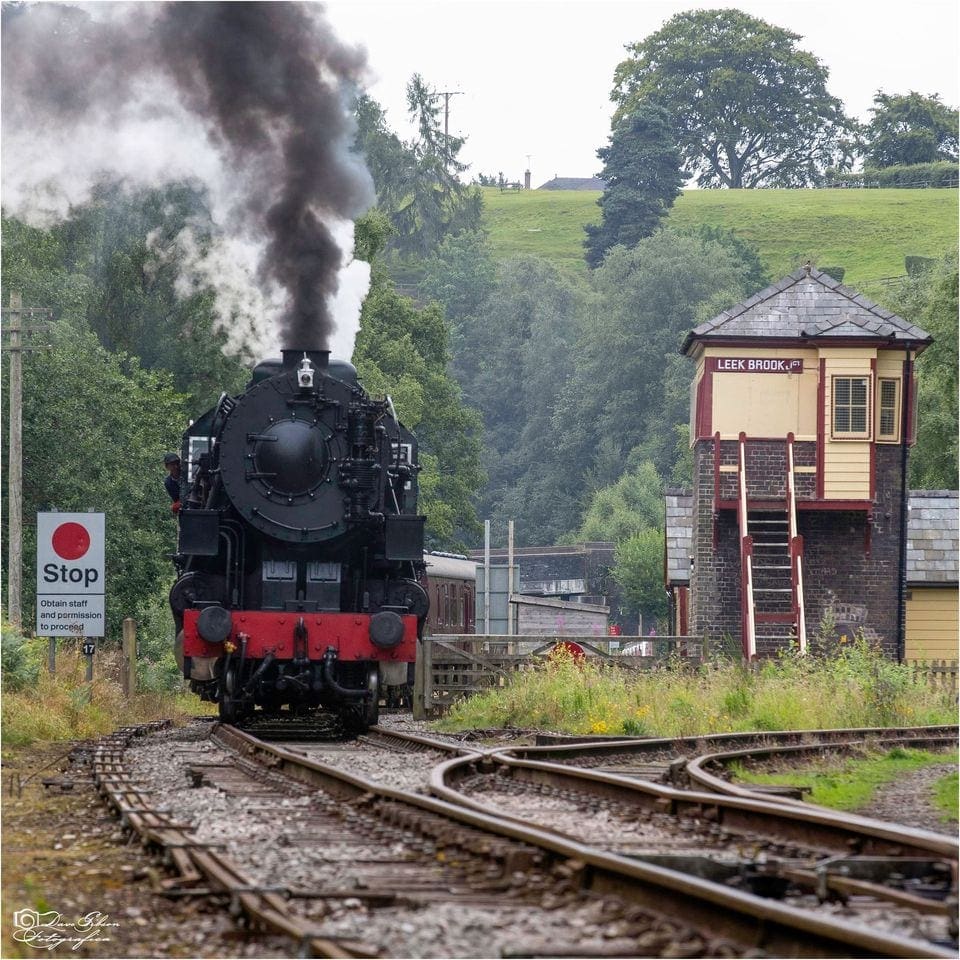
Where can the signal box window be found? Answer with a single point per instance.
(888, 409)
(850, 407)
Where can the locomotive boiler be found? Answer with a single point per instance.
(300, 547)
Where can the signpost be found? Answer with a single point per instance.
(71, 578)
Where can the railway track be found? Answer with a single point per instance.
(669, 759)
(351, 867)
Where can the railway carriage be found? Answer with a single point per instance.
(451, 583)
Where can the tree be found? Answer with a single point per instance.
(404, 351)
(628, 383)
(96, 425)
(523, 345)
(630, 513)
(642, 170)
(908, 129)
(462, 275)
(638, 568)
(416, 182)
(625, 508)
(750, 108)
(104, 269)
(930, 301)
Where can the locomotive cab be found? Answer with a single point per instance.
(300, 548)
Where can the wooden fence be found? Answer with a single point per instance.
(452, 666)
(942, 674)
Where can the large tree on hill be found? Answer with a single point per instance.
(641, 165)
(750, 108)
(910, 128)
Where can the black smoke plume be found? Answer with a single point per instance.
(267, 84)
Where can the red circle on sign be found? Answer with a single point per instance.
(71, 541)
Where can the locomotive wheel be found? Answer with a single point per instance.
(359, 718)
(229, 707)
(372, 706)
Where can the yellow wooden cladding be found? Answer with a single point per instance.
(846, 462)
(932, 623)
(763, 404)
(769, 406)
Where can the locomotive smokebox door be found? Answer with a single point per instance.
(404, 537)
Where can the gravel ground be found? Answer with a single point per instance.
(267, 837)
(401, 769)
(65, 852)
(908, 801)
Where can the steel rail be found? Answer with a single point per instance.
(696, 768)
(441, 746)
(561, 748)
(197, 862)
(811, 826)
(741, 917)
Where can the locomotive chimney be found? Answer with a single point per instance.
(293, 358)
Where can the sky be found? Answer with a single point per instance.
(535, 75)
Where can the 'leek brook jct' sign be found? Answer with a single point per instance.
(757, 365)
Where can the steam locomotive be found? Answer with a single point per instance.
(300, 548)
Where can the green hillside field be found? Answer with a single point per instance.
(868, 232)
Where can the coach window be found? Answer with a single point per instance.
(850, 408)
(442, 605)
(888, 409)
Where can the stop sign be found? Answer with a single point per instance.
(70, 553)
(70, 574)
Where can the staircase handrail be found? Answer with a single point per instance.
(749, 629)
(796, 552)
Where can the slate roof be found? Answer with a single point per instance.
(807, 304)
(932, 538)
(679, 535)
(574, 183)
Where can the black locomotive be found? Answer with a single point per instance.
(300, 548)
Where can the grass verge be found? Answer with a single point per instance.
(852, 783)
(946, 795)
(856, 687)
(64, 706)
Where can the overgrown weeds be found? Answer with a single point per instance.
(40, 706)
(855, 686)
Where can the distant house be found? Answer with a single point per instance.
(574, 183)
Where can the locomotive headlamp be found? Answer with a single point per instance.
(305, 374)
(386, 629)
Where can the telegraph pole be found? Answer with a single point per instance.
(447, 94)
(15, 316)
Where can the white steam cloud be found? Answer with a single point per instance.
(142, 94)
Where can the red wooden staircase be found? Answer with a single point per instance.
(771, 563)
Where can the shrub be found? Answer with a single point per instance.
(912, 176)
(19, 668)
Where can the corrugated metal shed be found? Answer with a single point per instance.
(545, 617)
